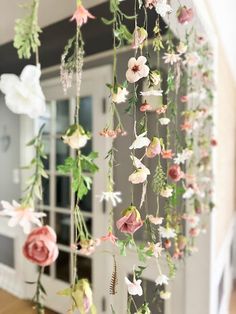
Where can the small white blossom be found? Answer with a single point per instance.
(182, 157)
(164, 121)
(113, 197)
(161, 280)
(171, 58)
(152, 92)
(163, 8)
(167, 233)
(188, 193)
(140, 141)
(24, 216)
(120, 96)
(134, 288)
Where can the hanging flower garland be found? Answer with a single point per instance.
(180, 147)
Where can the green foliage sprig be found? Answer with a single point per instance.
(34, 184)
(79, 167)
(27, 31)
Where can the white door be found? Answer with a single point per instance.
(58, 198)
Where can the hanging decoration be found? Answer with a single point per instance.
(179, 147)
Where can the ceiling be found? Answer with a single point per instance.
(51, 11)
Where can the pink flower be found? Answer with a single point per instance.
(184, 15)
(81, 15)
(40, 246)
(140, 35)
(130, 221)
(175, 173)
(154, 148)
(109, 237)
(184, 98)
(167, 154)
(194, 232)
(137, 69)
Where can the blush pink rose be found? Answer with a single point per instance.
(185, 15)
(154, 148)
(40, 246)
(175, 173)
(130, 222)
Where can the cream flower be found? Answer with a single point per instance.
(167, 192)
(134, 288)
(167, 233)
(141, 172)
(181, 48)
(157, 249)
(165, 295)
(140, 141)
(152, 92)
(137, 69)
(113, 197)
(155, 77)
(155, 220)
(23, 95)
(24, 216)
(161, 280)
(163, 8)
(164, 121)
(75, 137)
(171, 58)
(120, 96)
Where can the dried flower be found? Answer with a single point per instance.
(140, 35)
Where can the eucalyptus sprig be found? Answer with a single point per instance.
(33, 189)
(27, 31)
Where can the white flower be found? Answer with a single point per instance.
(163, 8)
(167, 233)
(182, 157)
(152, 92)
(75, 137)
(192, 59)
(157, 249)
(24, 216)
(141, 172)
(140, 141)
(164, 121)
(161, 280)
(193, 220)
(137, 69)
(155, 220)
(188, 193)
(171, 58)
(134, 288)
(113, 197)
(165, 295)
(23, 95)
(182, 48)
(167, 192)
(120, 96)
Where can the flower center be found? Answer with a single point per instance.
(135, 68)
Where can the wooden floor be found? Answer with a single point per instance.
(11, 305)
(233, 303)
